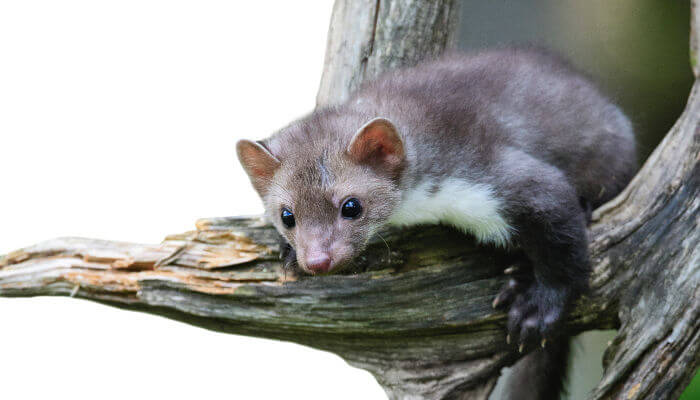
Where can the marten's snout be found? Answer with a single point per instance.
(321, 250)
(318, 262)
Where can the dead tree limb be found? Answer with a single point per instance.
(419, 315)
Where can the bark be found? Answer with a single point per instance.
(368, 37)
(417, 312)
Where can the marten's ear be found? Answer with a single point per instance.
(258, 162)
(379, 145)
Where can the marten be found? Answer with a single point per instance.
(512, 146)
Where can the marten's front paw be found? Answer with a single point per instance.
(535, 311)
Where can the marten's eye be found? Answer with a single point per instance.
(288, 218)
(351, 208)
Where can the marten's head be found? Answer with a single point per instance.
(325, 190)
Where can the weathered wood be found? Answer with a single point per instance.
(421, 314)
(368, 37)
(417, 313)
(650, 234)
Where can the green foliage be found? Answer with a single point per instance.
(693, 390)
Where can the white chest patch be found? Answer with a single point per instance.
(471, 207)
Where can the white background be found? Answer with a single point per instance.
(118, 121)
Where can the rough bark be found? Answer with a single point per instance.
(418, 312)
(368, 37)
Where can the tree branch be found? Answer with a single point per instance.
(418, 313)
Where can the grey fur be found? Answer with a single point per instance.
(464, 110)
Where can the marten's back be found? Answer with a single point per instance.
(521, 98)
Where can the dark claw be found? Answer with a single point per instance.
(507, 294)
(511, 270)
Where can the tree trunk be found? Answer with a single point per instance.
(368, 37)
(418, 314)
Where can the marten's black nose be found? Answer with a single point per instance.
(319, 263)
